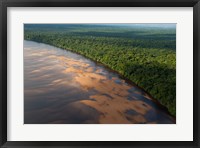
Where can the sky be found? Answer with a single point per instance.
(160, 25)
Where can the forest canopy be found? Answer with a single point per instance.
(144, 54)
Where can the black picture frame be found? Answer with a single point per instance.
(4, 4)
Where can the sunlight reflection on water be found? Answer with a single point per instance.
(64, 87)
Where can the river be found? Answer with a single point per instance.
(62, 87)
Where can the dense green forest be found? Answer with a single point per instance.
(145, 55)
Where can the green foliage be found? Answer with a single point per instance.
(146, 56)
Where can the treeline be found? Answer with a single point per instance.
(145, 56)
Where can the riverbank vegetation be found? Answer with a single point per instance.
(145, 55)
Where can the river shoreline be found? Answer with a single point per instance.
(162, 107)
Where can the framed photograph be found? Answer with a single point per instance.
(100, 73)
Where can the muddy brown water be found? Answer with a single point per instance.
(61, 87)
